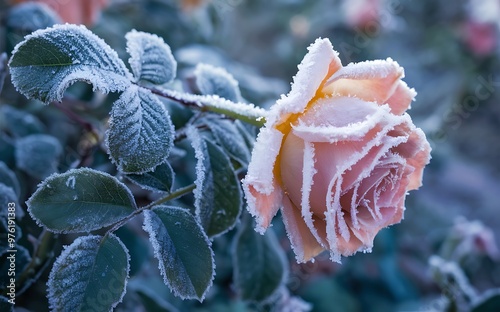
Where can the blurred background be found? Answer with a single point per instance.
(450, 52)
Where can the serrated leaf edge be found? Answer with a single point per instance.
(50, 178)
(157, 253)
(68, 80)
(69, 248)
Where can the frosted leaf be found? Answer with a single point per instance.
(80, 200)
(230, 138)
(90, 275)
(218, 198)
(151, 289)
(217, 81)
(31, 16)
(161, 179)
(38, 155)
(21, 123)
(140, 133)
(259, 264)
(186, 260)
(8, 178)
(7, 195)
(48, 61)
(150, 57)
(452, 279)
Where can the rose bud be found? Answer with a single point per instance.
(337, 155)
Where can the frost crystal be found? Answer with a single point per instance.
(141, 133)
(150, 57)
(216, 81)
(65, 54)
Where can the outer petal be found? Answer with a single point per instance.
(262, 192)
(376, 81)
(420, 160)
(319, 63)
(304, 244)
(401, 99)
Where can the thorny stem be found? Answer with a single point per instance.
(248, 113)
(171, 196)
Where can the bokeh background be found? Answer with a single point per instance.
(450, 53)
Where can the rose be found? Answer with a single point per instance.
(338, 154)
(75, 11)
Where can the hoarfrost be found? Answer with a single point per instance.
(198, 146)
(141, 133)
(70, 182)
(72, 280)
(216, 81)
(151, 58)
(75, 54)
(185, 278)
(216, 103)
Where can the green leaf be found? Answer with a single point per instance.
(25, 18)
(150, 57)
(89, 275)
(31, 16)
(49, 60)
(488, 302)
(216, 80)
(259, 263)
(8, 178)
(137, 246)
(153, 293)
(186, 260)
(161, 179)
(140, 133)
(21, 123)
(229, 138)
(218, 198)
(7, 198)
(80, 200)
(38, 155)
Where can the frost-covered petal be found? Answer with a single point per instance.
(401, 99)
(297, 173)
(373, 81)
(262, 191)
(304, 244)
(420, 160)
(320, 62)
(263, 206)
(260, 170)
